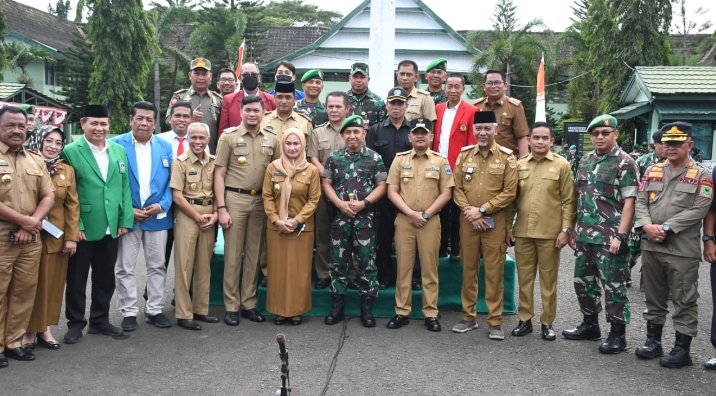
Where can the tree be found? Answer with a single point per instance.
(296, 13)
(685, 26)
(218, 35)
(123, 41)
(3, 60)
(20, 56)
(74, 79)
(61, 9)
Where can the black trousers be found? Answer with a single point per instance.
(101, 256)
(450, 232)
(170, 245)
(384, 237)
(713, 296)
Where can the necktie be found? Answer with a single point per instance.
(180, 149)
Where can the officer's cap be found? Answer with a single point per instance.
(485, 117)
(678, 131)
(421, 123)
(360, 67)
(656, 136)
(352, 121)
(397, 93)
(312, 74)
(201, 63)
(603, 120)
(440, 64)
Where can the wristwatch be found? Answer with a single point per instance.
(666, 228)
(623, 236)
(707, 238)
(482, 210)
(426, 216)
(366, 202)
(567, 230)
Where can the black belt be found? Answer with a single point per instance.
(205, 202)
(242, 191)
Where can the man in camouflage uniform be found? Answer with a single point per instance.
(206, 103)
(436, 74)
(364, 102)
(607, 184)
(353, 179)
(628, 145)
(310, 105)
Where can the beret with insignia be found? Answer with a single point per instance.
(312, 74)
(352, 121)
(603, 120)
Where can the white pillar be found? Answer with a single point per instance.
(381, 49)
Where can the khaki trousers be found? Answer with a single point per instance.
(426, 242)
(322, 232)
(19, 266)
(533, 254)
(192, 257)
(244, 239)
(492, 245)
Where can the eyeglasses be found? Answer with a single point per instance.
(597, 133)
(493, 83)
(248, 75)
(673, 144)
(50, 142)
(227, 80)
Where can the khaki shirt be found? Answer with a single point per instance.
(24, 181)
(420, 178)
(677, 197)
(324, 140)
(273, 122)
(246, 157)
(420, 105)
(210, 102)
(192, 177)
(546, 199)
(511, 121)
(305, 194)
(490, 182)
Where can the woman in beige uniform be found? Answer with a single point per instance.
(291, 192)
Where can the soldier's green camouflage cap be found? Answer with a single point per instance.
(360, 67)
(440, 63)
(311, 74)
(201, 63)
(603, 120)
(352, 121)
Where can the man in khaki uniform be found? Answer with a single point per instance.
(326, 139)
(285, 116)
(673, 199)
(192, 185)
(26, 196)
(420, 103)
(485, 184)
(512, 126)
(419, 185)
(243, 154)
(545, 208)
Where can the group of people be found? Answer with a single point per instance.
(423, 171)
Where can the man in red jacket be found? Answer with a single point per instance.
(453, 131)
(250, 78)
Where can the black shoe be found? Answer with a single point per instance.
(353, 284)
(264, 282)
(231, 318)
(628, 282)
(105, 329)
(454, 257)
(322, 283)
(442, 253)
(174, 303)
(366, 311)
(129, 323)
(280, 321)
(47, 344)
(708, 365)
(432, 324)
(616, 340)
(548, 333)
(252, 315)
(652, 347)
(679, 356)
(338, 303)
(73, 335)
(206, 318)
(3, 360)
(523, 328)
(19, 353)
(416, 285)
(158, 320)
(188, 324)
(587, 330)
(398, 321)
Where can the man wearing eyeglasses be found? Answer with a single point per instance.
(512, 128)
(607, 183)
(674, 197)
(227, 82)
(250, 79)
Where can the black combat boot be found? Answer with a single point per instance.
(616, 340)
(337, 307)
(652, 347)
(588, 330)
(679, 356)
(366, 310)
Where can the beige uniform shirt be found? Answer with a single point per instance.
(192, 177)
(420, 105)
(274, 123)
(511, 121)
(246, 157)
(546, 199)
(324, 140)
(490, 182)
(420, 177)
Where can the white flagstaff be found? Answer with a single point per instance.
(381, 48)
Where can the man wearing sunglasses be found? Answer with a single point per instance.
(250, 79)
(607, 183)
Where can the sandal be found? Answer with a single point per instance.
(295, 321)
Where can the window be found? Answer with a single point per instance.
(702, 136)
(52, 73)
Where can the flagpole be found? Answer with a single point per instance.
(540, 112)
(239, 62)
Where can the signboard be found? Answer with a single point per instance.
(576, 134)
(44, 114)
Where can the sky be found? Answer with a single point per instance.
(556, 16)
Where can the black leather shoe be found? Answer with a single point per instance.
(129, 323)
(432, 324)
(253, 315)
(264, 282)
(454, 257)
(398, 321)
(231, 318)
(19, 354)
(206, 318)
(616, 340)
(280, 321)
(353, 284)
(416, 285)
(587, 330)
(3, 360)
(628, 282)
(73, 335)
(322, 283)
(336, 315)
(523, 328)
(105, 329)
(158, 320)
(652, 347)
(47, 344)
(296, 322)
(188, 324)
(548, 333)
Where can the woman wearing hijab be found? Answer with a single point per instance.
(291, 191)
(65, 215)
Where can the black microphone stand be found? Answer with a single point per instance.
(283, 354)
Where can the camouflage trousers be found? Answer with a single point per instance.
(634, 248)
(356, 238)
(594, 263)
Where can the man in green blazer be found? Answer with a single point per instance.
(106, 214)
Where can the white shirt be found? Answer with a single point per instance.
(102, 158)
(143, 153)
(173, 139)
(446, 127)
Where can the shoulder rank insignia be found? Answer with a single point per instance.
(514, 101)
(402, 153)
(479, 100)
(466, 148)
(420, 91)
(269, 129)
(304, 115)
(438, 154)
(183, 157)
(212, 156)
(181, 91)
(231, 129)
(505, 150)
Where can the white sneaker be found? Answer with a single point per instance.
(496, 333)
(464, 326)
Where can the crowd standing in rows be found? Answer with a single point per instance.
(424, 171)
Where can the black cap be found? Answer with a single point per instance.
(678, 131)
(421, 123)
(397, 93)
(485, 117)
(656, 136)
(285, 87)
(97, 111)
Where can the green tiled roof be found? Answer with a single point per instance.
(686, 108)
(631, 110)
(8, 89)
(678, 79)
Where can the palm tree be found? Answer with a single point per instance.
(19, 56)
(218, 35)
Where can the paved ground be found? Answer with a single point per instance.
(243, 360)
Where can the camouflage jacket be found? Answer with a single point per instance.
(646, 161)
(358, 174)
(367, 105)
(439, 97)
(317, 113)
(603, 183)
(627, 147)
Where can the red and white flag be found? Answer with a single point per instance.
(540, 112)
(240, 61)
